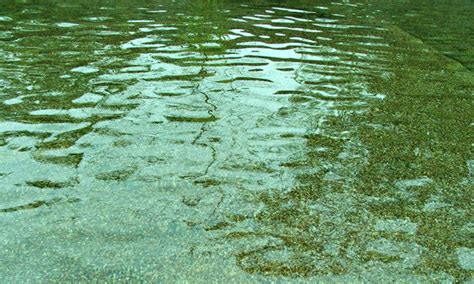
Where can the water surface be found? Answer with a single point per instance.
(230, 140)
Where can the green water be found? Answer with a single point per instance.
(242, 141)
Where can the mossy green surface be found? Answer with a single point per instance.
(422, 129)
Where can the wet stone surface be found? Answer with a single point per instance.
(229, 141)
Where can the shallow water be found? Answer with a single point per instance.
(225, 140)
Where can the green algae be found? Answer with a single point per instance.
(428, 109)
(425, 122)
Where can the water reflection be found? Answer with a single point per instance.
(227, 140)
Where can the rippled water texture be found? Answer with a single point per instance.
(236, 141)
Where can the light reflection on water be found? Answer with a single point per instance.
(212, 140)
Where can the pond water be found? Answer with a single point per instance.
(243, 141)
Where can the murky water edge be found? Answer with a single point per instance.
(227, 141)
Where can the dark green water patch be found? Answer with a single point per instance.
(39, 203)
(49, 184)
(72, 160)
(191, 119)
(117, 175)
